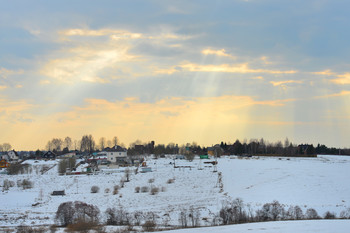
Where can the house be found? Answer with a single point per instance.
(69, 155)
(12, 155)
(116, 154)
(49, 155)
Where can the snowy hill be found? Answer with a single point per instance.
(321, 183)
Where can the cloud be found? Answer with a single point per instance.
(5, 73)
(228, 68)
(342, 93)
(279, 83)
(2, 87)
(342, 79)
(258, 78)
(221, 53)
(111, 56)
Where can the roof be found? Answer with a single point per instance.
(115, 149)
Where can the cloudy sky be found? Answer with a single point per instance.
(175, 71)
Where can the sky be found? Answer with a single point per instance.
(174, 71)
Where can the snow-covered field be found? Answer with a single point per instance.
(321, 183)
(310, 226)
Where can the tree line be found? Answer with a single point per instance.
(88, 144)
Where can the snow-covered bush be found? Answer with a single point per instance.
(295, 213)
(95, 189)
(117, 217)
(18, 168)
(154, 190)
(149, 226)
(170, 181)
(7, 184)
(74, 212)
(144, 189)
(27, 184)
(329, 215)
(137, 189)
(115, 189)
(311, 214)
(345, 214)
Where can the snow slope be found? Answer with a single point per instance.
(321, 183)
(310, 226)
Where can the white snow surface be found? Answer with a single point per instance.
(309, 226)
(321, 183)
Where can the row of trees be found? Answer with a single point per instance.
(86, 144)
(254, 146)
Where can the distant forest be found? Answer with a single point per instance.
(87, 144)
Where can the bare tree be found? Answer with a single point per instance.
(87, 143)
(109, 143)
(115, 140)
(67, 143)
(6, 147)
(102, 143)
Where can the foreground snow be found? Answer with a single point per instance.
(310, 226)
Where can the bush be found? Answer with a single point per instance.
(345, 214)
(271, 212)
(81, 226)
(170, 181)
(311, 214)
(329, 215)
(7, 184)
(117, 217)
(115, 189)
(27, 184)
(137, 189)
(234, 212)
(149, 226)
(69, 213)
(150, 181)
(144, 189)
(154, 190)
(95, 189)
(27, 229)
(17, 168)
(107, 190)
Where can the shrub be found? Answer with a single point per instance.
(329, 215)
(144, 189)
(107, 190)
(150, 181)
(170, 181)
(271, 212)
(345, 214)
(27, 184)
(311, 214)
(117, 217)
(137, 189)
(154, 190)
(95, 189)
(7, 184)
(69, 213)
(17, 168)
(81, 226)
(27, 229)
(149, 226)
(163, 189)
(115, 189)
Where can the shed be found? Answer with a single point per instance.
(58, 193)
